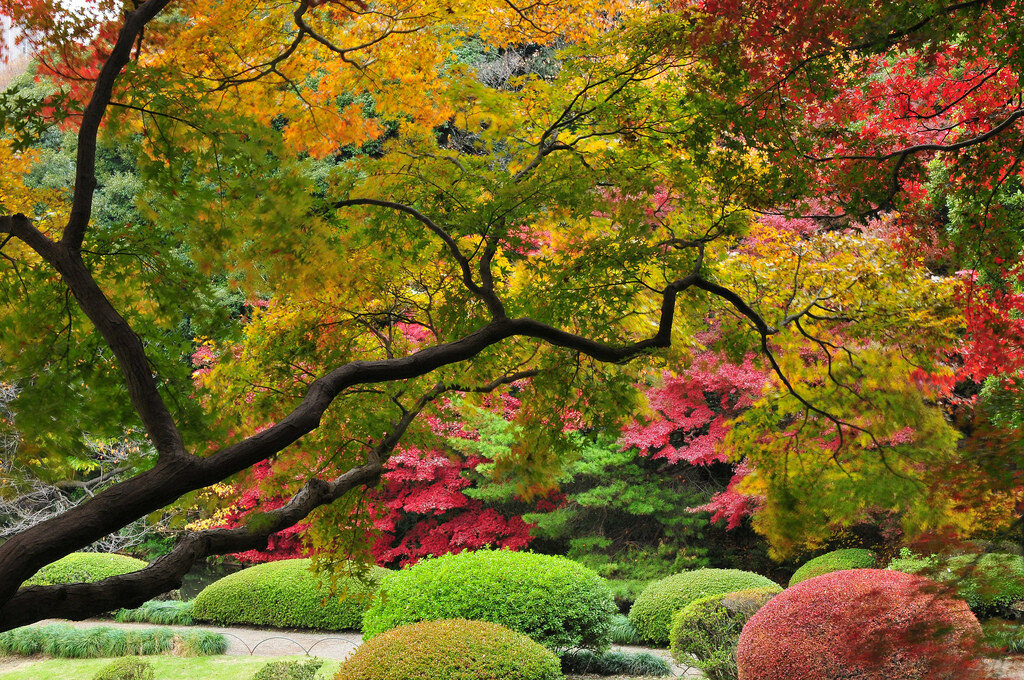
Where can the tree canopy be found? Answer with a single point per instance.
(289, 233)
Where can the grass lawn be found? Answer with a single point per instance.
(167, 667)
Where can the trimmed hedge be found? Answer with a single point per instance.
(708, 630)
(652, 612)
(84, 568)
(289, 670)
(837, 560)
(556, 601)
(68, 642)
(868, 624)
(286, 594)
(453, 649)
(989, 582)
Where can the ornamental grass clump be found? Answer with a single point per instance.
(84, 568)
(652, 612)
(65, 641)
(837, 560)
(861, 624)
(451, 649)
(287, 594)
(706, 631)
(161, 612)
(556, 601)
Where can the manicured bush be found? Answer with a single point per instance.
(705, 632)
(84, 568)
(652, 612)
(837, 560)
(863, 624)
(289, 670)
(66, 641)
(584, 661)
(557, 602)
(451, 649)
(126, 668)
(161, 612)
(989, 582)
(286, 594)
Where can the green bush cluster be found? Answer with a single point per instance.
(161, 612)
(452, 649)
(584, 661)
(706, 631)
(653, 610)
(289, 670)
(286, 594)
(64, 641)
(837, 560)
(84, 568)
(126, 668)
(988, 582)
(557, 602)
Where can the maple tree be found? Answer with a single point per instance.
(395, 230)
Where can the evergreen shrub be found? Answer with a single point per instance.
(126, 668)
(652, 612)
(863, 624)
(289, 670)
(84, 568)
(286, 594)
(451, 649)
(557, 602)
(837, 560)
(705, 632)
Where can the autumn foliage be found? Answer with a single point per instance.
(869, 624)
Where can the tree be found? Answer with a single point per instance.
(522, 229)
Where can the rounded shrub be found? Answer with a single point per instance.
(84, 568)
(707, 630)
(837, 560)
(989, 582)
(126, 668)
(286, 594)
(451, 649)
(557, 602)
(861, 624)
(652, 612)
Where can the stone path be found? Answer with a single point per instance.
(328, 645)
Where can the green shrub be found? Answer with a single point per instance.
(652, 612)
(289, 670)
(837, 560)
(286, 594)
(557, 602)
(126, 668)
(162, 612)
(453, 649)
(64, 641)
(705, 632)
(989, 582)
(84, 568)
(584, 661)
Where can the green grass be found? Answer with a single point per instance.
(70, 642)
(167, 668)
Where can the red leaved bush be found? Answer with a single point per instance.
(861, 624)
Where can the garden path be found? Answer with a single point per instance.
(329, 645)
